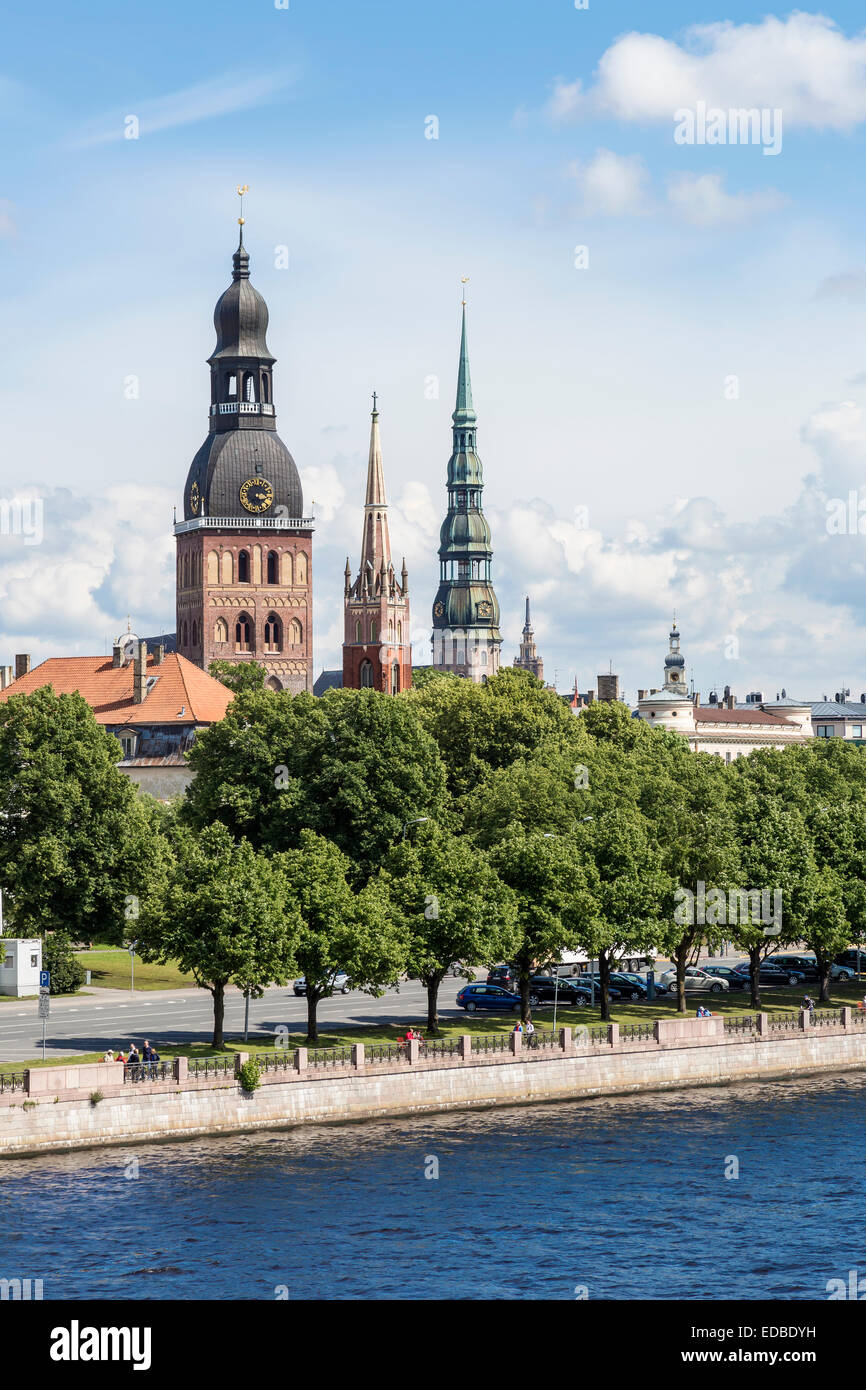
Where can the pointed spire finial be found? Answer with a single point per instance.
(464, 280)
(375, 406)
(242, 189)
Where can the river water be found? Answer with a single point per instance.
(622, 1198)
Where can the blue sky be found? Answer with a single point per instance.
(625, 473)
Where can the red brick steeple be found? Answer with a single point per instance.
(377, 651)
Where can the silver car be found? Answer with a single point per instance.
(695, 979)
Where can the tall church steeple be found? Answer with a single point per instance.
(529, 660)
(466, 636)
(377, 649)
(244, 547)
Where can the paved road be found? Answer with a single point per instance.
(99, 1018)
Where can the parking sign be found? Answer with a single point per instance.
(44, 979)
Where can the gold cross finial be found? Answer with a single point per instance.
(464, 280)
(242, 189)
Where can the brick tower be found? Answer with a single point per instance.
(244, 548)
(377, 651)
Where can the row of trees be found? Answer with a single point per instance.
(395, 835)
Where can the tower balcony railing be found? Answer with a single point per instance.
(242, 408)
(245, 523)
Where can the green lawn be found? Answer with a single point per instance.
(110, 969)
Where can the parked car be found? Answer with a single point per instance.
(728, 972)
(473, 997)
(843, 972)
(615, 992)
(807, 966)
(695, 979)
(850, 960)
(773, 974)
(504, 975)
(543, 989)
(629, 986)
(341, 984)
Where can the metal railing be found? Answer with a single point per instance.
(329, 1057)
(284, 1060)
(746, 1024)
(11, 1081)
(494, 1042)
(242, 408)
(148, 1071)
(245, 523)
(212, 1066)
(826, 1018)
(540, 1041)
(440, 1047)
(386, 1052)
(637, 1032)
(783, 1023)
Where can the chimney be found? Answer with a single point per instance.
(116, 655)
(696, 699)
(22, 665)
(159, 654)
(641, 695)
(139, 675)
(590, 696)
(730, 702)
(6, 677)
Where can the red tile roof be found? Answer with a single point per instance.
(715, 714)
(178, 686)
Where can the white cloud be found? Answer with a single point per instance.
(702, 200)
(219, 97)
(612, 184)
(803, 64)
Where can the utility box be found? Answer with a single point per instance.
(20, 964)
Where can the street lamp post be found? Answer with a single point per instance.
(420, 820)
(132, 946)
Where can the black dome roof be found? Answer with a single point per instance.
(225, 461)
(241, 316)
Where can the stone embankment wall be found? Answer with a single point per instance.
(55, 1108)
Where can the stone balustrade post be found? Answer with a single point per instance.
(358, 1056)
(613, 1034)
(565, 1042)
(413, 1051)
(181, 1068)
(657, 1030)
(240, 1058)
(762, 1023)
(847, 1015)
(300, 1059)
(465, 1047)
(805, 1019)
(516, 1043)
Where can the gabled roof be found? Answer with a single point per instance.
(180, 693)
(834, 709)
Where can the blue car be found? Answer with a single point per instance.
(474, 997)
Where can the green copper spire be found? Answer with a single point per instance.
(464, 411)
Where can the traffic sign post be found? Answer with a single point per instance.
(44, 1011)
(44, 979)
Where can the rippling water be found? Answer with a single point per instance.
(626, 1197)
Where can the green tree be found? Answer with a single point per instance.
(451, 907)
(76, 837)
(239, 675)
(227, 917)
(339, 928)
(354, 766)
(58, 957)
(548, 880)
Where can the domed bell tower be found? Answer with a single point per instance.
(244, 547)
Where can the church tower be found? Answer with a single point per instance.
(377, 650)
(675, 664)
(529, 660)
(244, 547)
(466, 636)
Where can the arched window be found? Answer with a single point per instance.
(358, 631)
(395, 678)
(301, 569)
(399, 634)
(249, 386)
(366, 675)
(243, 631)
(213, 568)
(231, 386)
(296, 633)
(273, 684)
(227, 565)
(194, 633)
(273, 634)
(273, 567)
(266, 396)
(286, 568)
(221, 630)
(390, 629)
(373, 629)
(243, 568)
(183, 634)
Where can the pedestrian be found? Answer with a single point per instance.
(108, 1056)
(529, 1026)
(119, 1057)
(862, 1005)
(149, 1057)
(518, 1027)
(808, 1003)
(133, 1063)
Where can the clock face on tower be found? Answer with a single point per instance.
(256, 494)
(438, 610)
(485, 609)
(194, 499)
